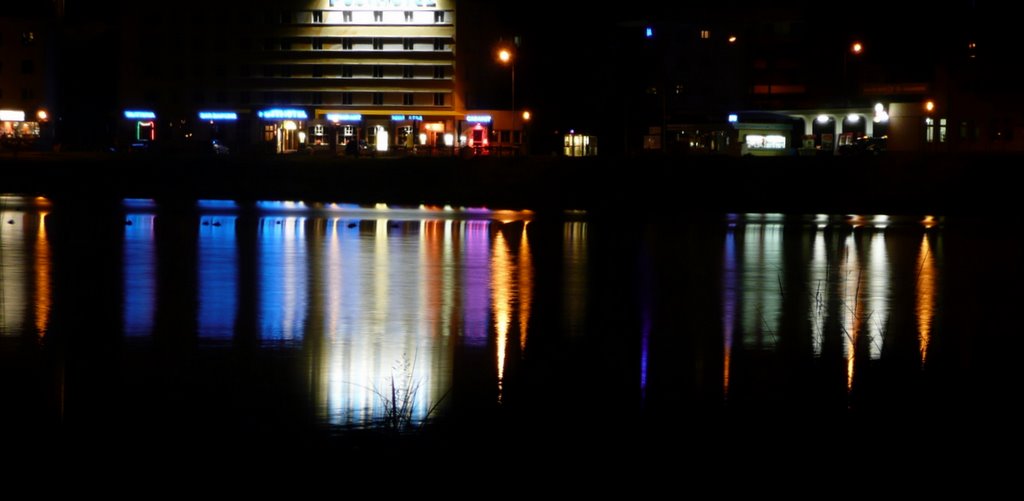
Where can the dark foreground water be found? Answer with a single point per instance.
(149, 325)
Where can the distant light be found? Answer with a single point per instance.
(398, 118)
(283, 113)
(732, 39)
(857, 48)
(12, 116)
(527, 116)
(344, 117)
(423, 138)
(823, 119)
(929, 106)
(415, 117)
(449, 139)
(484, 119)
(42, 115)
(302, 137)
(139, 115)
(504, 55)
(218, 115)
(650, 32)
(879, 108)
(572, 131)
(733, 118)
(853, 118)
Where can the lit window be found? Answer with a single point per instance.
(705, 34)
(318, 130)
(942, 130)
(929, 130)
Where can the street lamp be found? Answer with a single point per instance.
(506, 57)
(856, 49)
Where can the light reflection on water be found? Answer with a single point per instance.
(382, 302)
(25, 271)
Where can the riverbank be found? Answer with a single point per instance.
(889, 184)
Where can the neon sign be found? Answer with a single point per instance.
(485, 119)
(12, 116)
(139, 115)
(344, 117)
(218, 115)
(283, 113)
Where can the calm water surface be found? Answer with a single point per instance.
(272, 317)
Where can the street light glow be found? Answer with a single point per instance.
(526, 116)
(929, 106)
(856, 48)
(504, 55)
(823, 119)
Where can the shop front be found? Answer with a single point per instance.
(284, 129)
(17, 131)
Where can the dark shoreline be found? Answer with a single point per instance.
(891, 184)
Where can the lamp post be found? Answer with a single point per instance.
(506, 57)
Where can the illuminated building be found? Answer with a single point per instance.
(26, 77)
(287, 75)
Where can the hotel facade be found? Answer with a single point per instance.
(287, 76)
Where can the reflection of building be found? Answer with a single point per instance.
(286, 75)
(26, 83)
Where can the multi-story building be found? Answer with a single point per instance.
(290, 75)
(26, 76)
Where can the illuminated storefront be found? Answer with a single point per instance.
(284, 128)
(14, 128)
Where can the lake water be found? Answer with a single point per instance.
(283, 319)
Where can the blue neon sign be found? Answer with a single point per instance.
(416, 117)
(218, 115)
(283, 114)
(139, 115)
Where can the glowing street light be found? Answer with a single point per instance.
(856, 48)
(526, 116)
(505, 57)
(929, 106)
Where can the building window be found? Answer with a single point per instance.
(929, 130)
(378, 98)
(378, 44)
(346, 16)
(318, 98)
(942, 130)
(346, 71)
(408, 72)
(318, 44)
(378, 71)
(378, 16)
(28, 67)
(705, 34)
(346, 98)
(346, 44)
(286, 71)
(438, 72)
(408, 44)
(318, 130)
(318, 16)
(439, 16)
(439, 44)
(318, 71)
(439, 99)
(408, 99)
(408, 16)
